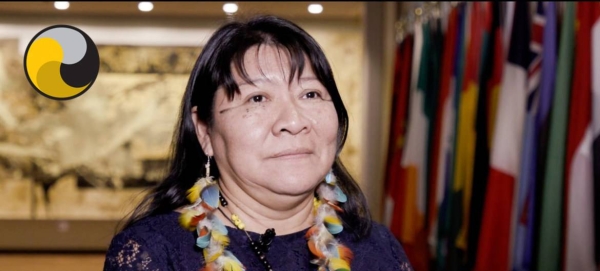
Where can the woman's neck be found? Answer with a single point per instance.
(286, 214)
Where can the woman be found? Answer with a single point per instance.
(262, 113)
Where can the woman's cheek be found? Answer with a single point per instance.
(250, 123)
(324, 119)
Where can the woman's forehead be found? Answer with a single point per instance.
(270, 62)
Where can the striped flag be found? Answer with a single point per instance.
(552, 189)
(466, 136)
(395, 184)
(433, 110)
(596, 122)
(444, 224)
(410, 168)
(543, 127)
(494, 241)
(529, 151)
(455, 208)
(414, 157)
(579, 187)
(491, 74)
(442, 129)
(430, 86)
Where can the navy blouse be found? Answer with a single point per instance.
(160, 243)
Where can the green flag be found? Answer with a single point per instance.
(549, 256)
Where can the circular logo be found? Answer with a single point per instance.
(61, 62)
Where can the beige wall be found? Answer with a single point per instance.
(378, 37)
(120, 108)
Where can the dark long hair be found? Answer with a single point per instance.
(213, 69)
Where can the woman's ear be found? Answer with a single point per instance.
(202, 133)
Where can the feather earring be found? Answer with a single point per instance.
(212, 234)
(330, 254)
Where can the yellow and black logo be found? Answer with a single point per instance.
(61, 62)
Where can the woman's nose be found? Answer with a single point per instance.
(290, 119)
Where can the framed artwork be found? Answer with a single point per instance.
(91, 158)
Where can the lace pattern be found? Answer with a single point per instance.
(130, 256)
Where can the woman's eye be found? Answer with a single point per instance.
(257, 99)
(312, 95)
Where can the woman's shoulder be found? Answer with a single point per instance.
(380, 248)
(381, 233)
(146, 244)
(160, 227)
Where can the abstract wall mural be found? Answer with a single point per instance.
(93, 156)
(89, 157)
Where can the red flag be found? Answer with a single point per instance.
(494, 241)
(578, 251)
(596, 123)
(395, 185)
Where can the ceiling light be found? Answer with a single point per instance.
(230, 8)
(145, 6)
(315, 8)
(62, 5)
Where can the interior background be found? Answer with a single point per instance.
(69, 170)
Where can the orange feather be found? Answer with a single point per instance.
(203, 231)
(311, 231)
(345, 253)
(196, 219)
(314, 250)
(206, 206)
(335, 207)
(209, 267)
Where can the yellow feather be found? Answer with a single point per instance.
(316, 204)
(221, 238)
(231, 265)
(185, 219)
(332, 220)
(213, 257)
(194, 192)
(337, 264)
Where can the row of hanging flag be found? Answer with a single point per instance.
(494, 151)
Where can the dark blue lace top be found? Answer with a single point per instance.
(159, 243)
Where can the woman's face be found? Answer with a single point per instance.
(276, 136)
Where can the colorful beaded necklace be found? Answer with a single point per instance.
(199, 216)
